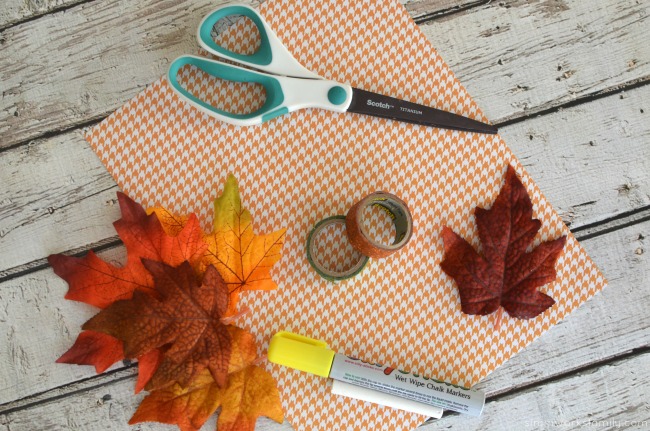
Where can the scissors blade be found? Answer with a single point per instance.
(378, 105)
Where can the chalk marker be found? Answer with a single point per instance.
(315, 357)
(383, 399)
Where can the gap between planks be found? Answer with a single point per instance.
(90, 383)
(619, 360)
(432, 16)
(38, 14)
(617, 222)
(108, 379)
(601, 94)
(607, 92)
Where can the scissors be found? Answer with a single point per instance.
(289, 86)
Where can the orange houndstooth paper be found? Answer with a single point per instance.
(300, 168)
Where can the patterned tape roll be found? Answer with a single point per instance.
(398, 212)
(327, 273)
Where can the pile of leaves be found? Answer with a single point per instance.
(172, 307)
(505, 274)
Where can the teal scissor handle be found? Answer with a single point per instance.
(288, 85)
(283, 94)
(274, 93)
(272, 56)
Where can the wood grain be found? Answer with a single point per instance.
(605, 397)
(524, 57)
(567, 152)
(611, 397)
(62, 71)
(64, 208)
(43, 188)
(38, 326)
(15, 11)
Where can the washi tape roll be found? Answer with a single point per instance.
(398, 212)
(331, 274)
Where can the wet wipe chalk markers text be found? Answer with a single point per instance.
(313, 356)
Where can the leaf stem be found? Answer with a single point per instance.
(229, 319)
(498, 320)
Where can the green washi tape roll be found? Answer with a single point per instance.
(327, 273)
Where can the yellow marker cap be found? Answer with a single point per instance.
(302, 353)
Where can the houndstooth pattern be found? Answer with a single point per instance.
(303, 167)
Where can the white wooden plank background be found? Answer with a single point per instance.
(13, 12)
(65, 64)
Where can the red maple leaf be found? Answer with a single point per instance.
(94, 348)
(505, 274)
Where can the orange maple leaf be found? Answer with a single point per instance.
(172, 223)
(250, 393)
(99, 283)
(184, 317)
(243, 258)
(94, 348)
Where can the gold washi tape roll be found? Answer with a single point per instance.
(398, 212)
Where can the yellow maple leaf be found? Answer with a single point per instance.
(243, 258)
(250, 393)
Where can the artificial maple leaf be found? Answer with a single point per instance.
(147, 366)
(250, 393)
(189, 407)
(172, 223)
(244, 349)
(184, 317)
(98, 283)
(156, 311)
(102, 350)
(505, 274)
(94, 348)
(243, 258)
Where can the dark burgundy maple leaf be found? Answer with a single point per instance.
(505, 275)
